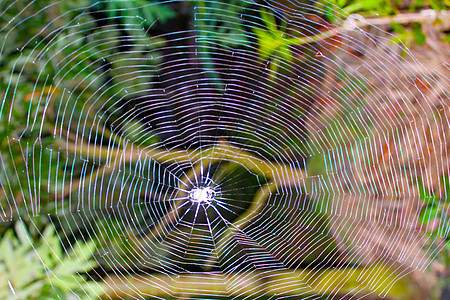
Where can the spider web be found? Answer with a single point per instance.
(201, 170)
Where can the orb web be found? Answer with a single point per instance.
(206, 162)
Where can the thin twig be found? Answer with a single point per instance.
(357, 21)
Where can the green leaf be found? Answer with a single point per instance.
(267, 42)
(445, 180)
(84, 250)
(417, 4)
(8, 251)
(371, 4)
(398, 27)
(163, 13)
(269, 21)
(353, 7)
(33, 289)
(418, 35)
(66, 283)
(342, 3)
(367, 6)
(446, 38)
(437, 5)
(51, 292)
(22, 232)
(70, 266)
(5, 244)
(25, 266)
(93, 289)
(428, 214)
(285, 52)
(424, 194)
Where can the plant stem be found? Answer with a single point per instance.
(251, 284)
(282, 174)
(350, 24)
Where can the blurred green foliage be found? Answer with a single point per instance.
(334, 9)
(49, 78)
(433, 214)
(52, 66)
(406, 34)
(41, 269)
(137, 13)
(221, 21)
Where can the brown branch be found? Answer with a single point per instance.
(356, 21)
(285, 175)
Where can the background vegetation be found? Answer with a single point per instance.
(97, 64)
